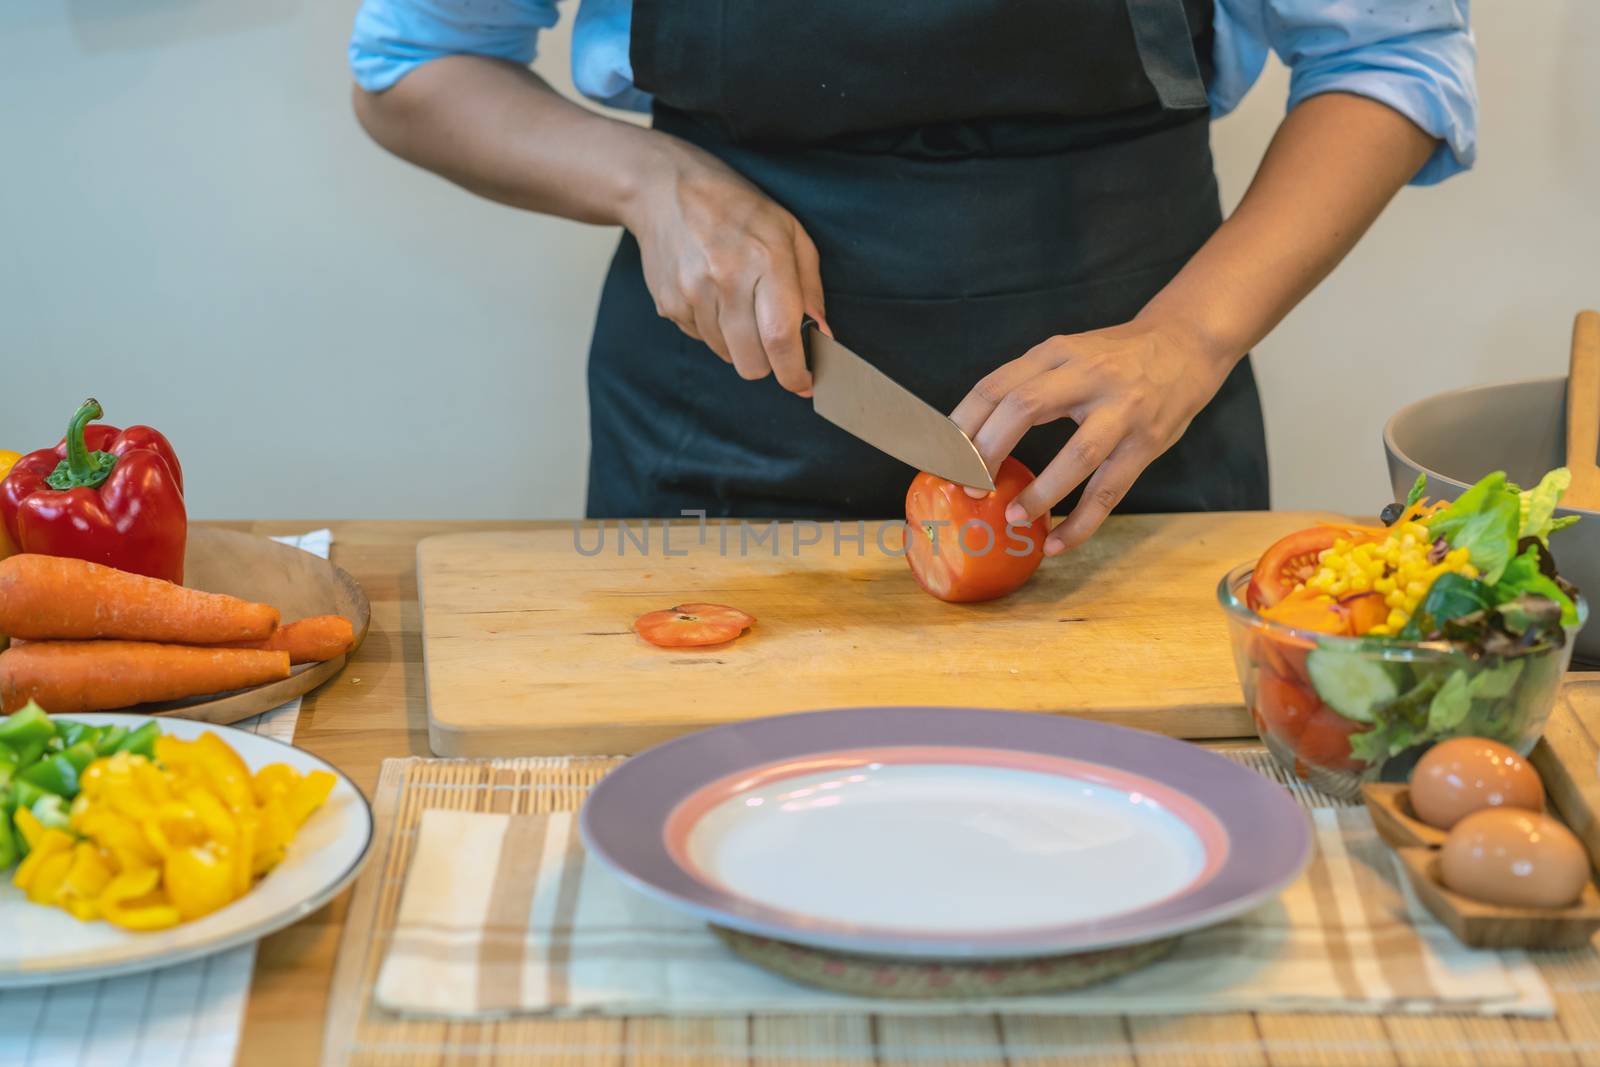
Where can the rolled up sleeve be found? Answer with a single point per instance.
(1415, 56)
(394, 37)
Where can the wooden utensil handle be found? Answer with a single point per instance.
(1583, 394)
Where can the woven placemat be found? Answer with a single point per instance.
(359, 1033)
(874, 976)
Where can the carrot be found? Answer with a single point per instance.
(55, 598)
(321, 637)
(73, 676)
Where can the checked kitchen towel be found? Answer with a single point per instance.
(504, 914)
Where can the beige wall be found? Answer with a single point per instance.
(193, 229)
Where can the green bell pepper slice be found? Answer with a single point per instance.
(71, 731)
(110, 737)
(25, 725)
(10, 852)
(80, 755)
(53, 774)
(30, 752)
(24, 794)
(142, 742)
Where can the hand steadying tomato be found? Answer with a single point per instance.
(960, 548)
(693, 625)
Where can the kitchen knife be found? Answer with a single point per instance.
(865, 402)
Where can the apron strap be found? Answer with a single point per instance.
(1161, 28)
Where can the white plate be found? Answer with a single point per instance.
(946, 833)
(866, 847)
(44, 945)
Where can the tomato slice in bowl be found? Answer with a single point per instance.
(693, 625)
(1290, 561)
(1285, 705)
(1324, 741)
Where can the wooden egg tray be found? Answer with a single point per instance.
(1568, 761)
(1474, 922)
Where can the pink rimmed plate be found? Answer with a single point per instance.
(946, 833)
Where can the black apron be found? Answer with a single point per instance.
(977, 175)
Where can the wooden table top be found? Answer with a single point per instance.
(376, 709)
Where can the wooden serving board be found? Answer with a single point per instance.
(529, 648)
(295, 582)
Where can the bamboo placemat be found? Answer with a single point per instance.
(361, 1034)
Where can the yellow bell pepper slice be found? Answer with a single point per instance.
(46, 845)
(198, 881)
(230, 778)
(89, 874)
(133, 902)
(221, 825)
(28, 826)
(118, 835)
(274, 780)
(308, 794)
(48, 876)
(244, 854)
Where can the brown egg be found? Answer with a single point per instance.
(1457, 777)
(1519, 858)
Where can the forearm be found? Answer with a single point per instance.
(1332, 166)
(500, 131)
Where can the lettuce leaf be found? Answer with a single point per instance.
(1485, 520)
(1539, 506)
(1528, 575)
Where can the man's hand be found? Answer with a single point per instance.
(1132, 389)
(728, 265)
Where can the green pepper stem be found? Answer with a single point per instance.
(77, 449)
(82, 468)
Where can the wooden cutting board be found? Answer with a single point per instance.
(529, 647)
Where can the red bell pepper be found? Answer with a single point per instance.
(106, 495)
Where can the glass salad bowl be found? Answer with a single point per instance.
(1338, 711)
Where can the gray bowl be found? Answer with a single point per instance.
(1456, 438)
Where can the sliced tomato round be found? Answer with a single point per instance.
(1287, 563)
(1285, 706)
(960, 548)
(693, 625)
(1325, 741)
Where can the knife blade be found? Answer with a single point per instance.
(865, 402)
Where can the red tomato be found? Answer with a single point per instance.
(691, 625)
(1325, 741)
(1285, 706)
(1288, 563)
(1282, 654)
(960, 548)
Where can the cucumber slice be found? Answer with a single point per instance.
(1351, 683)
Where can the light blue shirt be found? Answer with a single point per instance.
(1416, 56)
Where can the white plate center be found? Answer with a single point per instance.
(946, 847)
